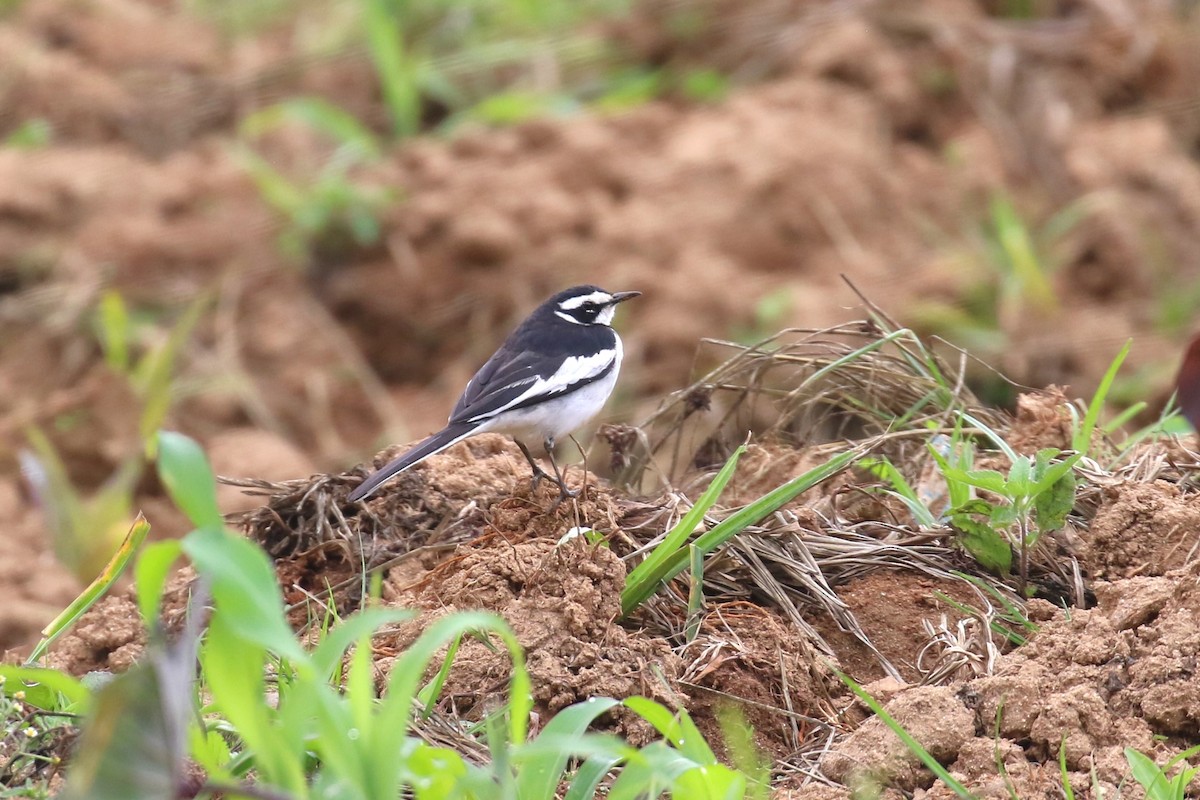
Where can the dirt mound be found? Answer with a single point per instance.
(1142, 529)
(1092, 682)
(562, 601)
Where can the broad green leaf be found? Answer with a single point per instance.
(710, 782)
(677, 728)
(234, 667)
(150, 576)
(1052, 506)
(1019, 477)
(245, 589)
(184, 471)
(651, 773)
(987, 479)
(989, 547)
(47, 689)
(1148, 774)
(539, 776)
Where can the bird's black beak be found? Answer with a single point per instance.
(621, 297)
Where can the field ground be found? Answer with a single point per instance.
(1028, 190)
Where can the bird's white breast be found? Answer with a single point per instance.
(557, 417)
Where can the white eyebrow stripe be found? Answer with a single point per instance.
(570, 372)
(599, 298)
(568, 318)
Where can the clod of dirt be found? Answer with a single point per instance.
(1141, 529)
(1042, 421)
(109, 637)
(1115, 676)
(935, 715)
(562, 601)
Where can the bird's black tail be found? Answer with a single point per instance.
(431, 446)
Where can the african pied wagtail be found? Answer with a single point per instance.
(553, 374)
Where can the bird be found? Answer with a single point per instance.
(1187, 383)
(549, 377)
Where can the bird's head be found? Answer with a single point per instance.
(587, 305)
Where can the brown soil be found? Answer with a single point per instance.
(863, 140)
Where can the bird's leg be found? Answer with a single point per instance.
(563, 491)
(538, 472)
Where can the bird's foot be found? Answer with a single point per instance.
(538, 475)
(563, 494)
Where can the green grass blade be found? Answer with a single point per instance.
(914, 747)
(587, 778)
(1082, 440)
(1064, 776)
(996, 438)
(396, 708)
(646, 577)
(767, 504)
(695, 593)
(95, 590)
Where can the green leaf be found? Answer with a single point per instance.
(1082, 440)
(645, 578)
(989, 547)
(677, 729)
(587, 778)
(245, 590)
(987, 479)
(1020, 481)
(47, 689)
(1052, 506)
(695, 613)
(96, 589)
(154, 374)
(1148, 774)
(234, 666)
(318, 114)
(741, 519)
(396, 708)
(327, 656)
(184, 471)
(150, 576)
(710, 782)
(127, 747)
(914, 747)
(114, 331)
(539, 776)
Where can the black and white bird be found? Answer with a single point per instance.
(552, 374)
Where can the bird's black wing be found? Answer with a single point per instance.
(513, 379)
